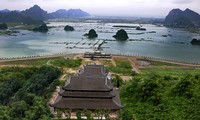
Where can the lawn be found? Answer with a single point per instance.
(169, 71)
(122, 67)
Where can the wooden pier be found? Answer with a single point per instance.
(83, 44)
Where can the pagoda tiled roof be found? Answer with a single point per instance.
(91, 89)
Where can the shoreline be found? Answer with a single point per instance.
(72, 55)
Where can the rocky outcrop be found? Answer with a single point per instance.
(182, 19)
(5, 10)
(15, 16)
(140, 28)
(92, 34)
(71, 13)
(42, 28)
(3, 26)
(121, 35)
(195, 41)
(68, 28)
(35, 13)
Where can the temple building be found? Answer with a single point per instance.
(91, 89)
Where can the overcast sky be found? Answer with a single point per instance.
(142, 8)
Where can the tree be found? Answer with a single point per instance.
(117, 81)
(88, 114)
(8, 89)
(183, 87)
(38, 109)
(78, 115)
(42, 28)
(3, 26)
(5, 113)
(18, 109)
(126, 114)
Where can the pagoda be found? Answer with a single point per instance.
(91, 89)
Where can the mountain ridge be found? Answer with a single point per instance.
(182, 19)
(36, 15)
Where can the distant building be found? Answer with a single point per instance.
(97, 54)
(89, 90)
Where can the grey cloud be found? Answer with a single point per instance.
(182, 1)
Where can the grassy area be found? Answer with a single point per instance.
(176, 72)
(123, 64)
(106, 62)
(8, 32)
(32, 62)
(157, 63)
(59, 62)
(66, 63)
(122, 67)
(20, 26)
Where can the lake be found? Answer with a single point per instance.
(150, 43)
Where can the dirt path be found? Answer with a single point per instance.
(134, 64)
(63, 77)
(113, 62)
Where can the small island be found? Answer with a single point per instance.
(42, 28)
(3, 26)
(140, 28)
(92, 34)
(69, 28)
(195, 41)
(121, 35)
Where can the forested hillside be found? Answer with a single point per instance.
(167, 97)
(24, 92)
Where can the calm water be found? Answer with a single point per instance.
(175, 47)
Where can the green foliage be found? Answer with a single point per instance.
(24, 92)
(120, 70)
(183, 88)
(4, 113)
(42, 28)
(3, 26)
(126, 114)
(44, 77)
(122, 67)
(8, 32)
(8, 89)
(117, 81)
(88, 114)
(123, 64)
(78, 115)
(18, 109)
(67, 63)
(173, 72)
(161, 97)
(62, 82)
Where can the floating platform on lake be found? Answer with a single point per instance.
(83, 44)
